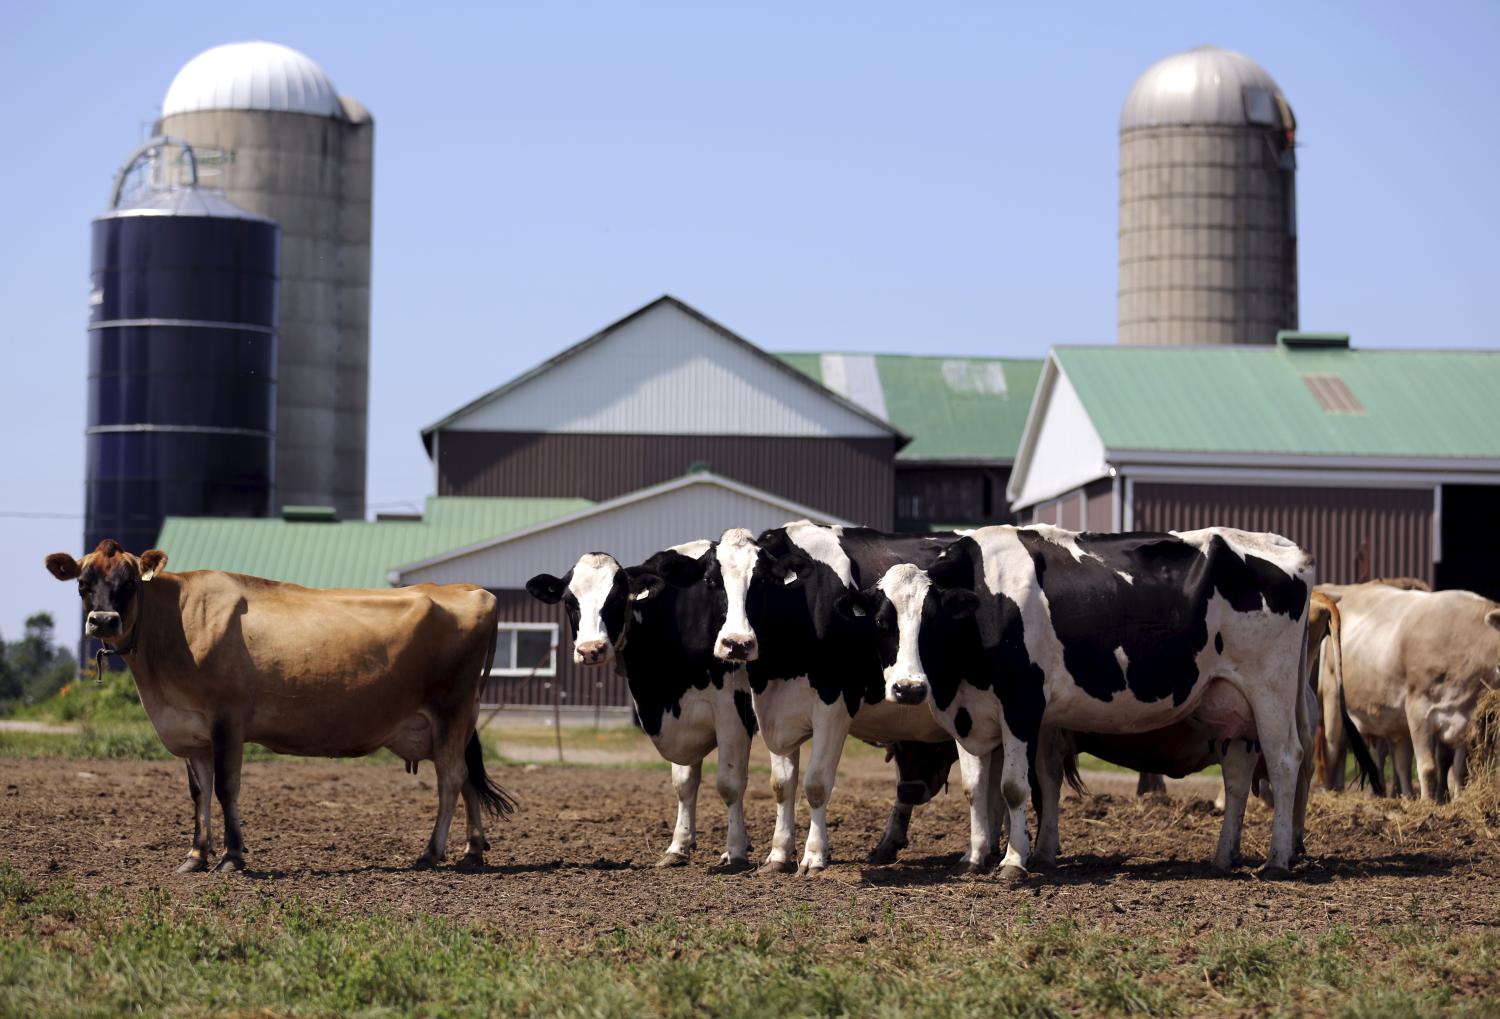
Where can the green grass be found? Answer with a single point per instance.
(105, 953)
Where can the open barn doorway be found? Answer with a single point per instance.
(1471, 539)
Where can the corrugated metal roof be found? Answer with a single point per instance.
(352, 553)
(955, 408)
(1411, 403)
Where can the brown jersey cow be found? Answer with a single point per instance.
(221, 659)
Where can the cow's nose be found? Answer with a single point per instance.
(103, 624)
(909, 691)
(591, 652)
(737, 649)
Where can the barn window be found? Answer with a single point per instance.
(526, 649)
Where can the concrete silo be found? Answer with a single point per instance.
(279, 141)
(182, 355)
(1208, 213)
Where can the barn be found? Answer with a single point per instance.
(662, 427)
(1381, 462)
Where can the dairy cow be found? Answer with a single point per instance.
(660, 635)
(222, 659)
(814, 675)
(1415, 664)
(1015, 628)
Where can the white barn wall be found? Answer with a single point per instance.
(666, 372)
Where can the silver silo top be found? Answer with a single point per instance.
(1206, 85)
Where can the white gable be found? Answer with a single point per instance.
(1061, 448)
(665, 372)
(630, 528)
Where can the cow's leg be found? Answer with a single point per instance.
(1049, 776)
(229, 754)
(473, 858)
(452, 773)
(1401, 767)
(685, 780)
(1307, 706)
(1424, 743)
(1016, 786)
(1458, 771)
(976, 773)
(200, 774)
(999, 809)
(784, 788)
(830, 729)
(1237, 761)
(893, 839)
(1149, 783)
(1281, 748)
(734, 766)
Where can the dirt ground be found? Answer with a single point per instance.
(577, 860)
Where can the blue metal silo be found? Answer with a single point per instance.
(182, 354)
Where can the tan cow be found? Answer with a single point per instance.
(221, 659)
(1415, 663)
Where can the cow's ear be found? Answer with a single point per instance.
(957, 603)
(1332, 596)
(63, 566)
(1493, 618)
(683, 571)
(854, 605)
(645, 585)
(152, 563)
(792, 569)
(544, 587)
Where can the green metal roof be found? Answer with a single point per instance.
(1408, 403)
(350, 553)
(955, 408)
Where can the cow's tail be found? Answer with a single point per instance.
(1070, 772)
(1367, 767)
(495, 800)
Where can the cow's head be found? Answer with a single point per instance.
(910, 614)
(746, 575)
(109, 582)
(596, 594)
(923, 769)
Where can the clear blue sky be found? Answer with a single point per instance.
(840, 176)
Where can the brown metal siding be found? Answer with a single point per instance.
(576, 685)
(1070, 511)
(852, 478)
(1101, 506)
(1354, 532)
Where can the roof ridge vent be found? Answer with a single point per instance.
(1292, 339)
(310, 514)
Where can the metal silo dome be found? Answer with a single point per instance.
(1208, 210)
(252, 76)
(1206, 85)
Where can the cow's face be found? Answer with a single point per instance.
(907, 608)
(748, 576)
(923, 769)
(109, 582)
(596, 595)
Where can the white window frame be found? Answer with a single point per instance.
(507, 633)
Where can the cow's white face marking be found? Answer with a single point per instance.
(821, 544)
(1122, 659)
(737, 555)
(593, 580)
(906, 588)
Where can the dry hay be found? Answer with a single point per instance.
(1484, 740)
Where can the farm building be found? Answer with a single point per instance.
(661, 428)
(1381, 462)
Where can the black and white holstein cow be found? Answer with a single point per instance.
(815, 675)
(1015, 629)
(661, 637)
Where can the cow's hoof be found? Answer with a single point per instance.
(193, 865)
(1012, 875)
(424, 862)
(777, 867)
(1048, 863)
(229, 865)
(670, 859)
(884, 853)
(810, 869)
(730, 865)
(471, 863)
(1270, 872)
(972, 869)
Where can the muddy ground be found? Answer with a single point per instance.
(577, 860)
